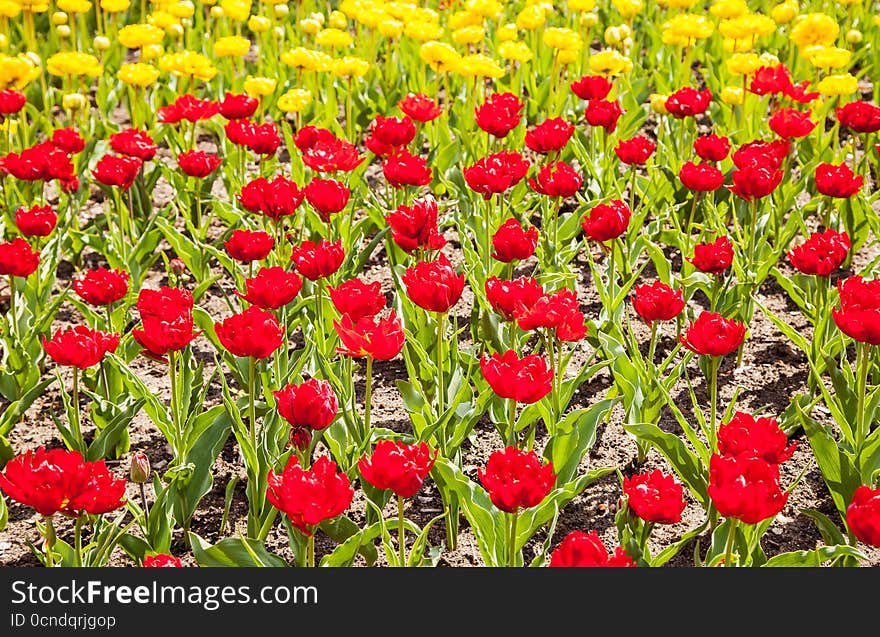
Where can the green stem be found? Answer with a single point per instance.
(368, 398)
(310, 551)
(653, 346)
(511, 540)
(13, 322)
(401, 531)
(441, 383)
(731, 537)
(611, 276)
(50, 541)
(77, 541)
(175, 416)
(319, 317)
(712, 379)
(146, 505)
(252, 405)
(75, 422)
(863, 362)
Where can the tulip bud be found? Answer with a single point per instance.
(174, 30)
(658, 103)
(281, 10)
(300, 438)
(259, 24)
(589, 20)
(33, 57)
(732, 95)
(338, 20)
(59, 18)
(279, 32)
(140, 468)
(101, 43)
(63, 31)
(73, 101)
(177, 267)
(216, 12)
(853, 36)
(187, 22)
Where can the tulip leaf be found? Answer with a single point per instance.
(234, 552)
(575, 436)
(816, 557)
(12, 413)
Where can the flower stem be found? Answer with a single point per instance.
(319, 317)
(731, 537)
(712, 380)
(310, 551)
(13, 322)
(175, 417)
(863, 362)
(75, 421)
(401, 531)
(441, 381)
(146, 505)
(511, 433)
(252, 405)
(368, 399)
(652, 349)
(511, 540)
(77, 541)
(50, 541)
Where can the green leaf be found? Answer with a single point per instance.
(13, 412)
(575, 435)
(233, 552)
(816, 557)
(829, 531)
(108, 438)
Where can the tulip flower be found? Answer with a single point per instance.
(37, 221)
(271, 288)
(162, 560)
(688, 102)
(197, 163)
(499, 114)
(745, 435)
(327, 197)
(521, 380)
(508, 297)
(102, 287)
(274, 198)
(516, 480)
(592, 87)
(309, 496)
(580, 549)
(420, 107)
(837, 181)
(405, 169)
(357, 299)
(863, 515)
(402, 469)
(415, 227)
(551, 136)
(712, 147)
(514, 243)
(248, 246)
(132, 142)
(654, 497)
(309, 406)
(323, 152)
(239, 106)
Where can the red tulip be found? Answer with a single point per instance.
(162, 560)
(261, 139)
(420, 107)
(837, 181)
(499, 114)
(712, 147)
(327, 197)
(863, 515)
(405, 169)
(859, 117)
(701, 177)
(762, 154)
(11, 102)
(189, 108)
(859, 313)
(41, 162)
(80, 346)
(246, 246)
(275, 198)
(311, 404)
(713, 335)
(102, 286)
(397, 466)
(559, 311)
(713, 258)
(318, 260)
(393, 132)
(821, 254)
(654, 497)
(240, 106)
(59, 481)
(254, 332)
(272, 288)
(507, 297)
(550, 136)
(39, 221)
(605, 222)
(512, 242)
(798, 93)
(357, 299)
(790, 123)
(197, 163)
(592, 87)
(496, 173)
(309, 496)
(133, 143)
(525, 380)
(657, 302)
(68, 140)
(557, 179)
(415, 227)
(167, 320)
(755, 182)
(325, 153)
(586, 550)
(635, 151)
(745, 488)
(688, 102)
(368, 337)
(604, 113)
(769, 80)
(434, 285)
(516, 479)
(117, 171)
(762, 438)
(17, 258)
